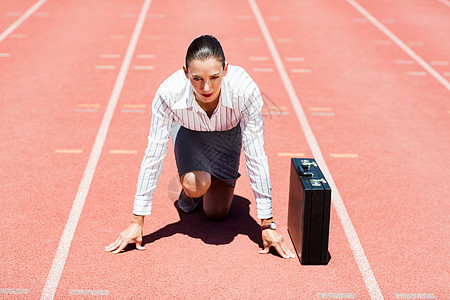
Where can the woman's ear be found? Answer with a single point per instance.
(225, 69)
(185, 72)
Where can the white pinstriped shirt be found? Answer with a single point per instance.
(240, 103)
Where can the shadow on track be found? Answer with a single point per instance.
(198, 225)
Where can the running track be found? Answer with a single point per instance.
(362, 86)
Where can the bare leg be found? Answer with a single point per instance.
(217, 200)
(195, 183)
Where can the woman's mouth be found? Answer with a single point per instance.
(207, 95)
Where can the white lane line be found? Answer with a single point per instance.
(20, 20)
(59, 261)
(445, 2)
(336, 295)
(14, 291)
(4, 54)
(355, 244)
(415, 296)
(401, 44)
(89, 292)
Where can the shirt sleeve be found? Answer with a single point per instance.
(255, 156)
(152, 163)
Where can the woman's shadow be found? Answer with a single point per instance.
(198, 225)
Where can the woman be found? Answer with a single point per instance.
(209, 116)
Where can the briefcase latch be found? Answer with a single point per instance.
(318, 182)
(306, 164)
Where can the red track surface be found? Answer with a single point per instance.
(383, 132)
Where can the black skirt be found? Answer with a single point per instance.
(215, 152)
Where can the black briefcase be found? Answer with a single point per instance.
(309, 212)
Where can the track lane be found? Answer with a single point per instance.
(44, 80)
(388, 120)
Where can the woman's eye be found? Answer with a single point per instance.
(197, 79)
(214, 77)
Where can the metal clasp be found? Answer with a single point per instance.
(318, 182)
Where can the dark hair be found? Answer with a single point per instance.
(204, 47)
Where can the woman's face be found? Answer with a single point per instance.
(206, 78)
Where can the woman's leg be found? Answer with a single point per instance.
(195, 183)
(217, 200)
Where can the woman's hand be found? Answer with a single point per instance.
(271, 237)
(132, 234)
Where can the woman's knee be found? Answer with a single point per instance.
(195, 183)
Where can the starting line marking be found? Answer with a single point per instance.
(105, 67)
(415, 296)
(258, 58)
(134, 105)
(69, 151)
(19, 36)
(323, 113)
(86, 110)
(404, 62)
(350, 232)
(123, 151)
(262, 70)
(439, 63)
(144, 67)
(291, 154)
(417, 73)
(146, 56)
(89, 292)
(294, 59)
(14, 291)
(336, 295)
(4, 54)
(285, 40)
(59, 261)
(301, 71)
(125, 110)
